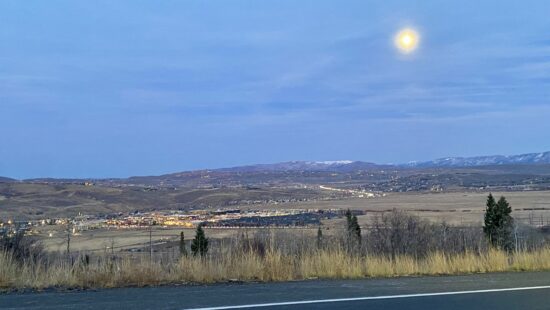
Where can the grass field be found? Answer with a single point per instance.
(297, 258)
(465, 208)
(457, 208)
(272, 266)
(122, 239)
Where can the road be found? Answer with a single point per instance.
(487, 291)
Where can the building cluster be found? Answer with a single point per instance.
(184, 219)
(360, 193)
(215, 218)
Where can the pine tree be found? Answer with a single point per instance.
(353, 231)
(319, 238)
(183, 250)
(200, 243)
(498, 224)
(489, 221)
(506, 224)
(356, 229)
(349, 217)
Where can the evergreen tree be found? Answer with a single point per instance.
(319, 237)
(349, 218)
(498, 223)
(353, 231)
(183, 250)
(200, 243)
(506, 224)
(356, 229)
(489, 220)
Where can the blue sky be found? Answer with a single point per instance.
(120, 88)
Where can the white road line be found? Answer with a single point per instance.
(303, 302)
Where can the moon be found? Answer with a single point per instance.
(406, 40)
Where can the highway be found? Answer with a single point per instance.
(484, 291)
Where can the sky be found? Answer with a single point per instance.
(95, 89)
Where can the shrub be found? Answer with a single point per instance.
(19, 245)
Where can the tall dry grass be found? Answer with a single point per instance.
(272, 265)
(397, 245)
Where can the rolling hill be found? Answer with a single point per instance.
(268, 183)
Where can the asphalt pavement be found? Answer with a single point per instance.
(529, 290)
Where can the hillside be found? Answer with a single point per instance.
(531, 158)
(267, 184)
(5, 180)
(23, 200)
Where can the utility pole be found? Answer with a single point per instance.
(113, 247)
(69, 226)
(183, 250)
(516, 235)
(151, 241)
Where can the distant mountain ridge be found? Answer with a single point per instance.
(349, 165)
(530, 158)
(345, 166)
(336, 165)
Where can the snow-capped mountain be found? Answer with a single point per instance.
(329, 165)
(531, 158)
(349, 165)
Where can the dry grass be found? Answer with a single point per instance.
(249, 266)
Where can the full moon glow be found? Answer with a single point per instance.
(407, 40)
